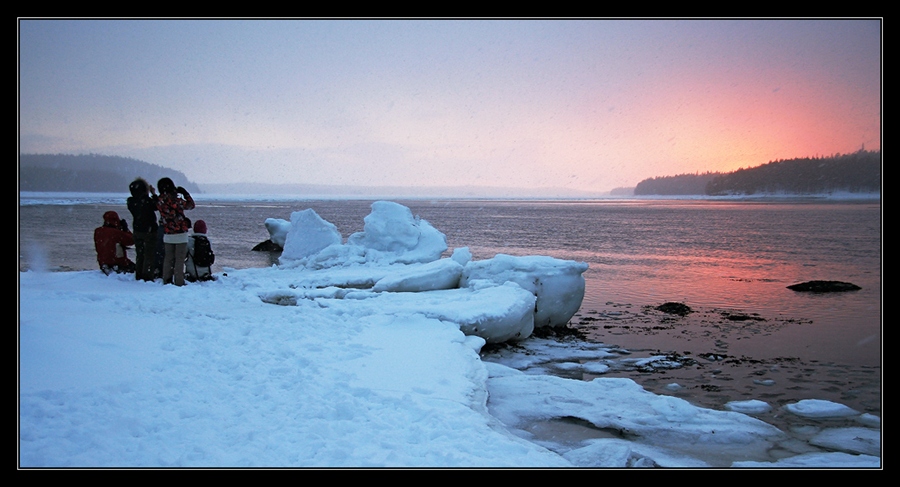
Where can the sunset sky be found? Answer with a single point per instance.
(580, 104)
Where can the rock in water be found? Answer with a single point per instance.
(278, 230)
(674, 308)
(824, 287)
(267, 246)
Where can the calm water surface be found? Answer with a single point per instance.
(721, 254)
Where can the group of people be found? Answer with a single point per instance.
(163, 246)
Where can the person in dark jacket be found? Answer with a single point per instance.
(171, 208)
(142, 204)
(110, 241)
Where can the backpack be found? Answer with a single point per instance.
(203, 254)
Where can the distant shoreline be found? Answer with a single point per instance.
(76, 198)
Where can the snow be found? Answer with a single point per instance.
(370, 361)
(117, 372)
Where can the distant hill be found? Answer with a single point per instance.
(681, 184)
(859, 172)
(621, 192)
(91, 173)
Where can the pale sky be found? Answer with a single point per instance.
(581, 104)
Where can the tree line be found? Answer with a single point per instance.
(681, 184)
(859, 172)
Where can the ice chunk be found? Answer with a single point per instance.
(440, 274)
(494, 313)
(851, 440)
(278, 230)
(817, 460)
(462, 255)
(748, 407)
(619, 453)
(820, 408)
(869, 420)
(308, 235)
(393, 235)
(621, 405)
(557, 284)
(497, 314)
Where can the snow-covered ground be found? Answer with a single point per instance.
(356, 354)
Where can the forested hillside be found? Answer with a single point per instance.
(92, 173)
(859, 172)
(675, 185)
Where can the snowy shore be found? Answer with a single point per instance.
(293, 366)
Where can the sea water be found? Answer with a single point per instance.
(737, 255)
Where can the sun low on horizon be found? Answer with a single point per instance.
(587, 105)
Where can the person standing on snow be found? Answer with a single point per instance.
(142, 204)
(171, 208)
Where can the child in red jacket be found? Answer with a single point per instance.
(111, 240)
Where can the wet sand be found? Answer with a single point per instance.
(719, 355)
(709, 358)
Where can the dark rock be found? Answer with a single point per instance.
(824, 287)
(558, 332)
(741, 316)
(268, 246)
(679, 309)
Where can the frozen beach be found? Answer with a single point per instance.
(347, 356)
